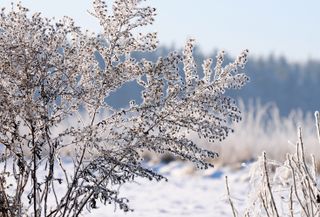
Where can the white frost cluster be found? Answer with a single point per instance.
(49, 73)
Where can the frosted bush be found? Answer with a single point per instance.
(49, 75)
(290, 188)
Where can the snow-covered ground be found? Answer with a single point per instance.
(200, 194)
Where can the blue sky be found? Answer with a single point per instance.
(283, 27)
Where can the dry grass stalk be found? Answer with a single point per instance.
(297, 194)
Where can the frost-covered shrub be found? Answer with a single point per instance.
(50, 76)
(290, 188)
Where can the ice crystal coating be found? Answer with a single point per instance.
(50, 76)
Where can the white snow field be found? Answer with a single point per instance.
(191, 192)
(200, 194)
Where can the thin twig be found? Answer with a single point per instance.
(295, 186)
(264, 203)
(269, 185)
(291, 202)
(229, 198)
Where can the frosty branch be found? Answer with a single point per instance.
(53, 98)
